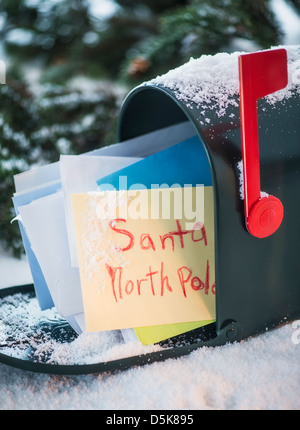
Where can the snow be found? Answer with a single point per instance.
(20, 37)
(13, 271)
(212, 81)
(259, 373)
(288, 20)
(102, 10)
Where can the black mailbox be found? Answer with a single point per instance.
(256, 160)
(257, 279)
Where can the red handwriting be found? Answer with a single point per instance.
(125, 232)
(185, 277)
(147, 242)
(158, 283)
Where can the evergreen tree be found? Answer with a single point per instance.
(205, 27)
(141, 39)
(36, 130)
(64, 40)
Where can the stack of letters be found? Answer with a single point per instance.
(122, 238)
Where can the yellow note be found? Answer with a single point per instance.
(142, 263)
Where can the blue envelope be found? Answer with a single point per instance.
(185, 164)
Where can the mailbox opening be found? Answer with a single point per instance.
(153, 109)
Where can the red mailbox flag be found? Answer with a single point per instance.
(261, 73)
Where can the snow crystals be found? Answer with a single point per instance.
(212, 81)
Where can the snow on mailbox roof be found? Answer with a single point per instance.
(212, 81)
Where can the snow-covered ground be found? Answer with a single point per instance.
(13, 272)
(259, 373)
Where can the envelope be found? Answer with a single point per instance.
(182, 165)
(25, 197)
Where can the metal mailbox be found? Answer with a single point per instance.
(245, 109)
(257, 277)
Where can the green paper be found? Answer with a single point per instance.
(154, 334)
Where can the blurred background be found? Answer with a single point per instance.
(70, 63)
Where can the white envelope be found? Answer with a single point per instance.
(37, 177)
(79, 175)
(45, 225)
